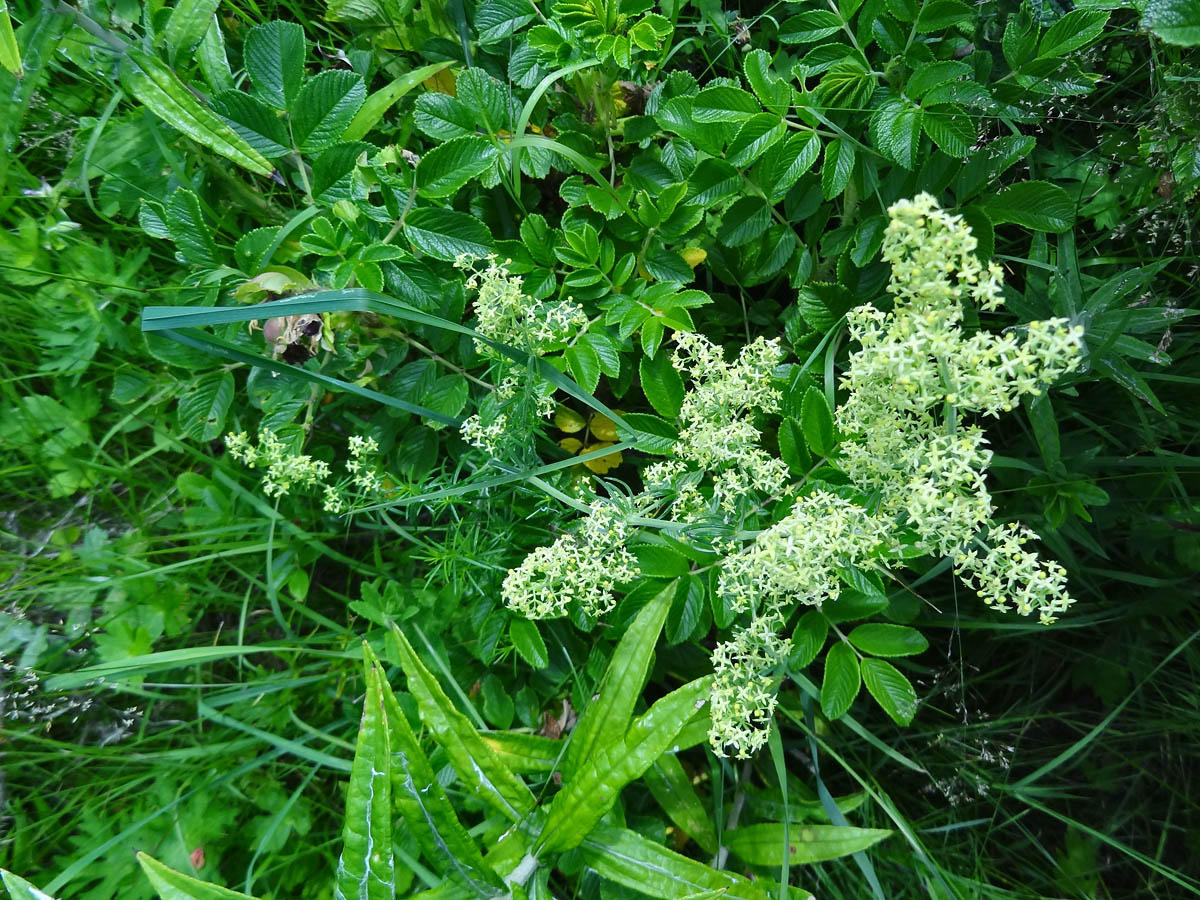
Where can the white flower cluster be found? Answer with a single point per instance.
(504, 314)
(744, 688)
(719, 435)
(287, 469)
(586, 565)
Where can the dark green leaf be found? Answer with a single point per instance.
(940, 14)
(443, 117)
(837, 167)
(841, 682)
(809, 26)
(274, 58)
(258, 124)
(370, 113)
(882, 639)
(896, 131)
(1039, 205)
(1174, 21)
(793, 447)
(447, 167)
(528, 641)
(808, 638)
(723, 103)
(891, 690)
(816, 419)
(584, 364)
(325, 107)
(1076, 29)
(650, 433)
(662, 384)
(498, 20)
(444, 233)
(203, 408)
(185, 222)
(744, 221)
(951, 128)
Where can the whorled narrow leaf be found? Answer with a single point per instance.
(476, 763)
(366, 869)
(167, 97)
(419, 797)
(579, 806)
(172, 885)
(763, 845)
(606, 719)
(635, 862)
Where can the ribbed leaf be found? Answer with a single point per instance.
(203, 408)
(841, 682)
(525, 753)
(891, 689)
(172, 885)
(635, 862)
(274, 58)
(1039, 205)
(188, 23)
(763, 845)
(189, 231)
(447, 167)
(366, 869)
(445, 233)
(477, 765)
(671, 787)
(162, 93)
(325, 107)
(606, 720)
(259, 125)
(883, 639)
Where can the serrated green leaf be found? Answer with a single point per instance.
(443, 117)
(259, 125)
(584, 365)
(756, 135)
(883, 639)
(214, 62)
(837, 167)
(527, 639)
(928, 76)
(745, 220)
(608, 767)
(656, 561)
(273, 55)
(808, 638)
(1038, 205)
(896, 131)
(188, 230)
(607, 352)
(625, 857)
(940, 14)
(475, 762)
(810, 26)
(841, 681)
(892, 691)
(1074, 30)
(445, 234)
(498, 20)
(763, 845)
(784, 163)
(793, 446)
(723, 103)
(1174, 21)
(447, 167)
(325, 107)
(606, 719)
(816, 420)
(156, 86)
(662, 384)
(773, 92)
(172, 885)
(20, 889)
(951, 128)
(490, 102)
(366, 869)
(335, 164)
(202, 410)
(650, 434)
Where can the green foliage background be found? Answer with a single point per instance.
(182, 655)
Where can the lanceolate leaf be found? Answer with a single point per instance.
(419, 797)
(367, 869)
(379, 102)
(672, 787)
(172, 885)
(763, 845)
(20, 889)
(476, 763)
(635, 862)
(156, 86)
(188, 23)
(10, 53)
(606, 718)
(594, 788)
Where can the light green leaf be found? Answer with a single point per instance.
(10, 53)
(325, 107)
(841, 682)
(20, 889)
(754, 138)
(1038, 205)
(476, 763)
(771, 90)
(723, 103)
(444, 233)
(185, 222)
(892, 691)
(1174, 21)
(443, 117)
(189, 21)
(259, 125)
(1074, 30)
(672, 789)
(883, 639)
(593, 790)
(202, 410)
(421, 800)
(816, 419)
(662, 384)
(381, 101)
(273, 55)
(162, 93)
(837, 167)
(763, 845)
(637, 863)
(172, 885)
(211, 56)
(527, 640)
(606, 719)
(447, 167)
(584, 365)
(366, 869)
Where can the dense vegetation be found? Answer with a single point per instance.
(600, 448)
